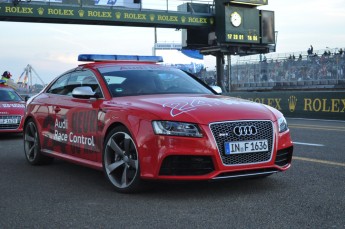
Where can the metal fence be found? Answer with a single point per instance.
(312, 71)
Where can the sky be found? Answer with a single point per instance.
(52, 49)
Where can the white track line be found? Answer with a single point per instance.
(308, 144)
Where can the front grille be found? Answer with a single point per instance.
(179, 165)
(6, 125)
(224, 132)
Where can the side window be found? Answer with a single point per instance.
(59, 87)
(66, 83)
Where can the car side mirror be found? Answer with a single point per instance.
(217, 89)
(83, 92)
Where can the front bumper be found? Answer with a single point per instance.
(203, 166)
(182, 158)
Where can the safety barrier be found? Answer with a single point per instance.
(298, 104)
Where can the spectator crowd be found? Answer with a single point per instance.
(328, 66)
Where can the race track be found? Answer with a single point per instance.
(63, 195)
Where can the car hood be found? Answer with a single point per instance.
(202, 109)
(12, 108)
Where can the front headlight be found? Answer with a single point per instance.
(176, 128)
(283, 126)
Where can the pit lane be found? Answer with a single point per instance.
(309, 195)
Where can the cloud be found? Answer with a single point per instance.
(301, 23)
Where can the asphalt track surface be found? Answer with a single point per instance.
(63, 195)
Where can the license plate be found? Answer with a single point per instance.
(9, 121)
(246, 147)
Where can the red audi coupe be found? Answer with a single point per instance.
(138, 120)
(12, 109)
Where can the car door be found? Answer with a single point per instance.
(70, 126)
(77, 125)
(45, 114)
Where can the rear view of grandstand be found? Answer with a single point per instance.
(323, 69)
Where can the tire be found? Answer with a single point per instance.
(121, 162)
(32, 146)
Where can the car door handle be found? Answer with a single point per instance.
(57, 109)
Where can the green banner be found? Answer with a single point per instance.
(53, 13)
(315, 104)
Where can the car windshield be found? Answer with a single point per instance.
(128, 80)
(9, 95)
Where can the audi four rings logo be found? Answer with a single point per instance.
(245, 130)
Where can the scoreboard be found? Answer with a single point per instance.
(267, 27)
(242, 25)
(247, 25)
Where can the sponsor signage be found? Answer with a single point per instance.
(325, 105)
(168, 46)
(32, 12)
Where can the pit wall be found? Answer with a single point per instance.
(310, 104)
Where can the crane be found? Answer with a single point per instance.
(27, 73)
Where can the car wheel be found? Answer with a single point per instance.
(120, 161)
(32, 147)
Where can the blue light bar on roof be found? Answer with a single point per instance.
(101, 57)
(2, 81)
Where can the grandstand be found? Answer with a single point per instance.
(323, 69)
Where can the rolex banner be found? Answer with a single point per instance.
(57, 13)
(310, 104)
